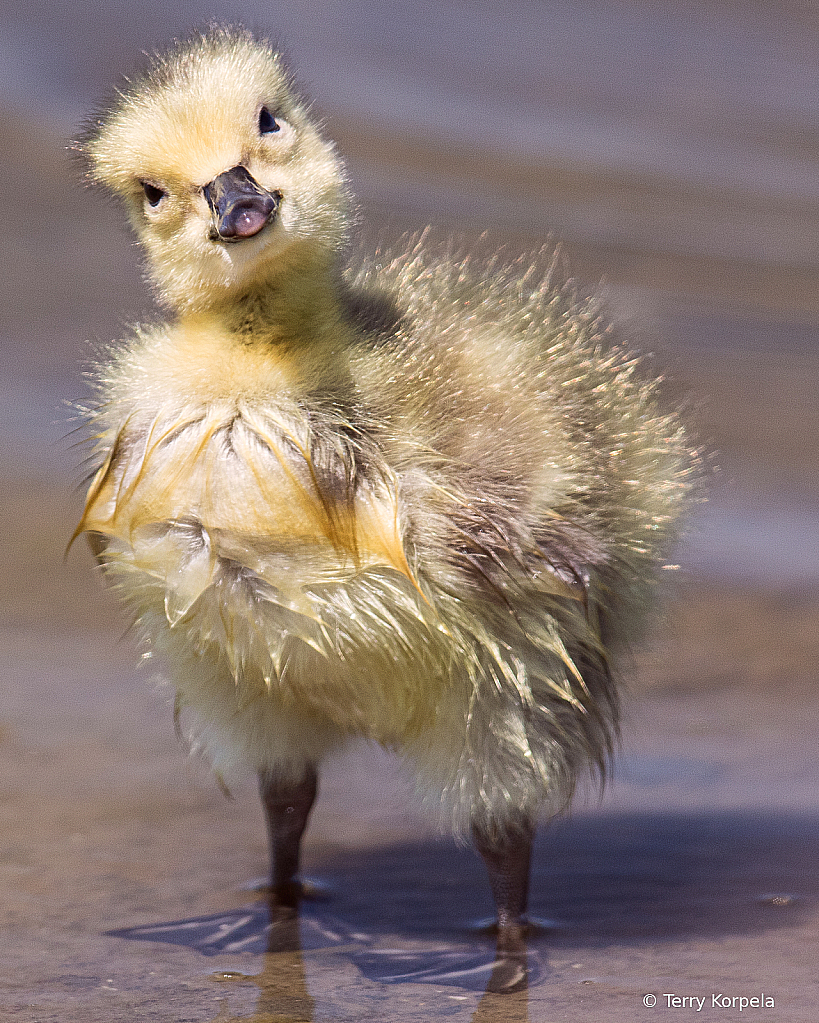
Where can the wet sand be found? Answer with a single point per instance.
(127, 877)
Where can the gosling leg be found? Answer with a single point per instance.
(287, 807)
(507, 855)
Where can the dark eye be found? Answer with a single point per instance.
(267, 122)
(152, 193)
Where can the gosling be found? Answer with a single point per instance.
(418, 501)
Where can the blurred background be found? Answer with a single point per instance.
(672, 149)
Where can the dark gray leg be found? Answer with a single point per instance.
(507, 854)
(287, 807)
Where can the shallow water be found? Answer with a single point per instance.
(129, 878)
(675, 154)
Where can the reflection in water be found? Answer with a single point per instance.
(282, 937)
(283, 996)
(472, 971)
(494, 1008)
(252, 929)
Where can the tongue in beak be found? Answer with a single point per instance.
(239, 204)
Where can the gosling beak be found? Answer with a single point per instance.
(239, 204)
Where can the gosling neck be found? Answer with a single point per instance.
(295, 307)
(291, 325)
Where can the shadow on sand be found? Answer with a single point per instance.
(401, 915)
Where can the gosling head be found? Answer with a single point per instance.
(226, 178)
